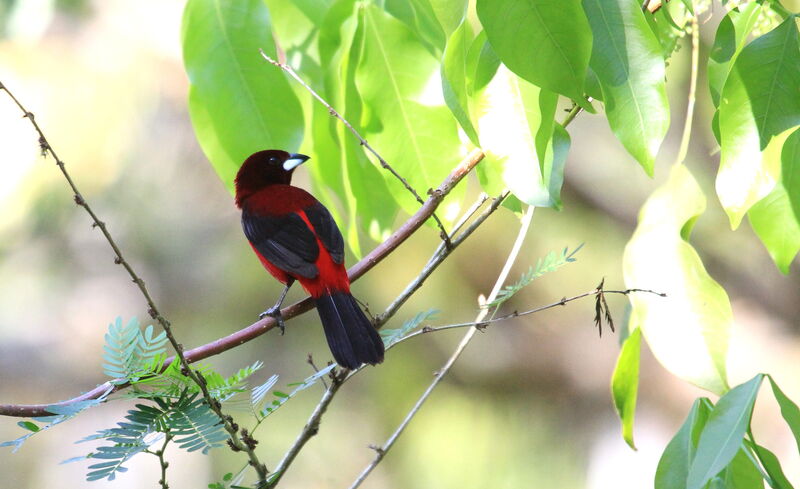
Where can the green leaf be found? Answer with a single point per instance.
(775, 224)
(546, 42)
(722, 436)
(420, 17)
(759, 101)
(773, 467)
(550, 263)
(28, 425)
(347, 178)
(282, 397)
(391, 336)
(626, 57)
(555, 159)
(789, 411)
(625, 383)
(731, 37)
(482, 64)
(454, 79)
(238, 103)
(406, 119)
(790, 171)
(673, 467)
(449, 13)
(741, 473)
(515, 122)
(688, 330)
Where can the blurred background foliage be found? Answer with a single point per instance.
(106, 81)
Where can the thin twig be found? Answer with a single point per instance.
(687, 126)
(196, 377)
(310, 361)
(486, 322)
(310, 429)
(290, 71)
(380, 453)
(163, 461)
(263, 325)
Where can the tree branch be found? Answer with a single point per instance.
(290, 71)
(262, 326)
(235, 442)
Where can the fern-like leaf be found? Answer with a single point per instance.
(280, 398)
(128, 438)
(61, 413)
(196, 426)
(131, 353)
(391, 336)
(550, 263)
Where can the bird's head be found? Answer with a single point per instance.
(268, 167)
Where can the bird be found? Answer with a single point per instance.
(296, 239)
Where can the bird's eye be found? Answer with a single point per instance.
(273, 159)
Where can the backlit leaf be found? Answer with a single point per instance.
(688, 330)
(628, 63)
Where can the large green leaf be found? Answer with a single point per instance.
(772, 465)
(688, 330)
(722, 436)
(673, 467)
(774, 223)
(238, 103)
(790, 171)
(730, 39)
(449, 13)
(421, 18)
(454, 79)
(625, 383)
(546, 42)
(406, 121)
(627, 59)
(348, 172)
(741, 473)
(515, 122)
(759, 101)
(789, 411)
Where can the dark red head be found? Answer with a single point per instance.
(268, 167)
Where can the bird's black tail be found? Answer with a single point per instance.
(352, 338)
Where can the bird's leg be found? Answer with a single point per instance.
(275, 311)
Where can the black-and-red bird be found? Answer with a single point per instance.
(296, 238)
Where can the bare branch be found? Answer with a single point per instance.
(290, 71)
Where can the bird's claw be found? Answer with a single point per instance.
(275, 313)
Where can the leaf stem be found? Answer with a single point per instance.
(687, 126)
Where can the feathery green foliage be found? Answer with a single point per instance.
(131, 353)
(550, 263)
(188, 419)
(392, 336)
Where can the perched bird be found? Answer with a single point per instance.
(296, 238)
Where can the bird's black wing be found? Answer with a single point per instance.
(327, 230)
(285, 240)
